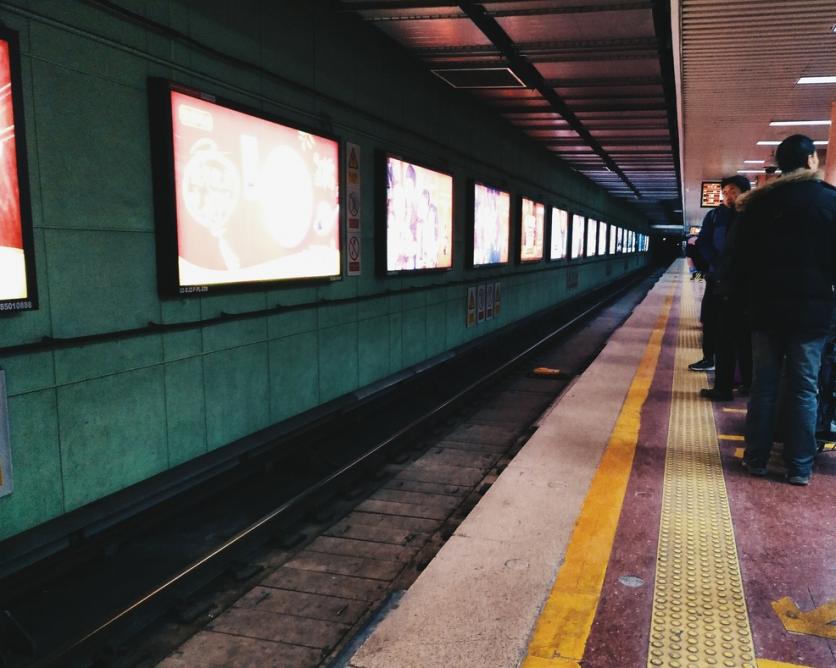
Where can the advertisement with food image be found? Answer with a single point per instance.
(256, 200)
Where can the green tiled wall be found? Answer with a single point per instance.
(89, 420)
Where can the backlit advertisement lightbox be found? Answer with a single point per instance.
(491, 225)
(532, 226)
(17, 268)
(619, 241)
(419, 217)
(558, 249)
(254, 200)
(613, 230)
(591, 232)
(602, 238)
(578, 230)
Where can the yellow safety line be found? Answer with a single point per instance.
(564, 625)
(730, 437)
(766, 663)
(734, 410)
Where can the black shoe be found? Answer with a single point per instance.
(743, 390)
(715, 395)
(702, 365)
(754, 469)
(800, 480)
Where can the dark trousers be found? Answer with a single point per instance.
(708, 317)
(733, 343)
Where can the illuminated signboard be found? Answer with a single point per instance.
(613, 229)
(491, 225)
(532, 226)
(254, 200)
(559, 234)
(419, 217)
(17, 257)
(602, 238)
(712, 194)
(591, 232)
(619, 241)
(578, 228)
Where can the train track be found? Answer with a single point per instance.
(337, 532)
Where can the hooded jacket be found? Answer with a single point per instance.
(785, 253)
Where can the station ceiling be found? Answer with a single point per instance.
(592, 80)
(739, 72)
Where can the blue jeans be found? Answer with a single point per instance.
(801, 359)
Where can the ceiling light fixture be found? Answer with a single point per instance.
(754, 162)
(817, 80)
(792, 123)
(769, 142)
(751, 171)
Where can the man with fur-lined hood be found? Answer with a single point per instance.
(785, 265)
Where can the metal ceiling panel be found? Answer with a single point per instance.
(738, 76)
(596, 95)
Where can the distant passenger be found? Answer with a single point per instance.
(732, 338)
(787, 264)
(710, 242)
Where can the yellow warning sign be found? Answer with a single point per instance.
(816, 622)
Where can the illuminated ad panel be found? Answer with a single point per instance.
(491, 225)
(619, 241)
(578, 222)
(602, 238)
(532, 226)
(560, 234)
(419, 217)
(613, 230)
(255, 200)
(591, 231)
(17, 275)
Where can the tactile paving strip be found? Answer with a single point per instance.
(699, 610)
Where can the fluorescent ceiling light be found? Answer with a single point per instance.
(751, 171)
(778, 124)
(754, 162)
(818, 142)
(816, 80)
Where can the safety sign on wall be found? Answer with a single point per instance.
(489, 301)
(353, 209)
(5, 448)
(471, 307)
(480, 303)
(497, 299)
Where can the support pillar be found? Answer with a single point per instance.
(830, 169)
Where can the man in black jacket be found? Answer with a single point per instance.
(786, 264)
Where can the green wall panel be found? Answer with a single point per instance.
(373, 349)
(109, 414)
(36, 464)
(110, 189)
(185, 410)
(338, 370)
(294, 375)
(237, 393)
(112, 433)
(99, 281)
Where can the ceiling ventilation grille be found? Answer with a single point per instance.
(482, 77)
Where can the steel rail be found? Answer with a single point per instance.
(297, 501)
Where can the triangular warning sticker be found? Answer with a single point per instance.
(353, 163)
(471, 302)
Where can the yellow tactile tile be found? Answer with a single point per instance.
(699, 610)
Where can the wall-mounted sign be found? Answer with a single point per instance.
(17, 257)
(353, 210)
(471, 307)
(712, 194)
(480, 304)
(5, 448)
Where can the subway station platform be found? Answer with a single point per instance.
(626, 533)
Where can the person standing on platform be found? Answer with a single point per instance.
(710, 242)
(732, 336)
(787, 269)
